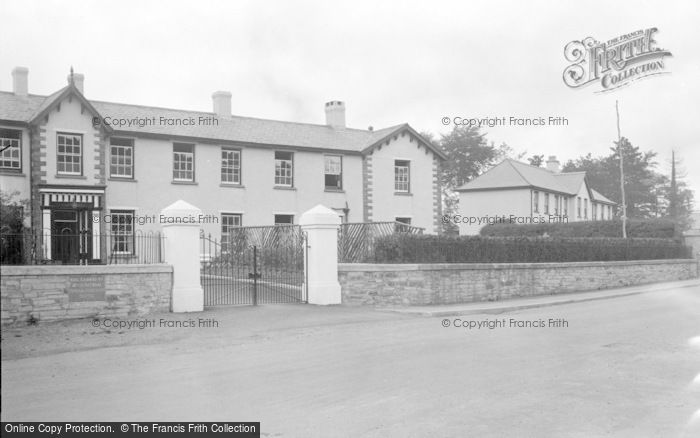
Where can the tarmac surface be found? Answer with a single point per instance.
(626, 366)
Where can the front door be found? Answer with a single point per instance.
(65, 237)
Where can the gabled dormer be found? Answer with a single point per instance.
(68, 140)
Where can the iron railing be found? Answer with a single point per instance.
(356, 240)
(82, 248)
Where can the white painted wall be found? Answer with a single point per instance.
(257, 199)
(476, 205)
(18, 182)
(418, 205)
(70, 120)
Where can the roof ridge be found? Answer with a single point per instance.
(28, 94)
(232, 115)
(520, 173)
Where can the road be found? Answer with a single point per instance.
(621, 367)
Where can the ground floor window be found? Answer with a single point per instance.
(122, 227)
(284, 219)
(229, 221)
(400, 227)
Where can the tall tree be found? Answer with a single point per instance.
(673, 195)
(649, 192)
(469, 154)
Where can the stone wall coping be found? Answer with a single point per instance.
(392, 267)
(33, 270)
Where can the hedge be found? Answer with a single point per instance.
(405, 248)
(636, 228)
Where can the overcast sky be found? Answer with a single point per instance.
(391, 62)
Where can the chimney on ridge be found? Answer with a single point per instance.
(553, 164)
(20, 81)
(78, 80)
(335, 114)
(222, 103)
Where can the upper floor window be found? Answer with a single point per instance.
(183, 162)
(230, 166)
(122, 225)
(11, 155)
(284, 169)
(69, 159)
(333, 172)
(121, 158)
(546, 203)
(536, 201)
(402, 176)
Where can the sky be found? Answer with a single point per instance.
(391, 62)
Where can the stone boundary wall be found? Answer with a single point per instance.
(51, 293)
(451, 283)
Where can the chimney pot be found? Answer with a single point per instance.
(222, 103)
(335, 114)
(79, 81)
(20, 81)
(553, 164)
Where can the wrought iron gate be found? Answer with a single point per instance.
(254, 265)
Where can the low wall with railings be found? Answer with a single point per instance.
(50, 293)
(452, 283)
(356, 241)
(32, 247)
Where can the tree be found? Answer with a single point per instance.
(11, 212)
(469, 154)
(649, 193)
(536, 160)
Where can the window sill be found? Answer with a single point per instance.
(122, 256)
(403, 194)
(233, 186)
(10, 172)
(70, 176)
(185, 183)
(115, 178)
(334, 190)
(284, 188)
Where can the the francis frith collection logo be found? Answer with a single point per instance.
(616, 62)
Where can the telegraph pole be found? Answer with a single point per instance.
(622, 174)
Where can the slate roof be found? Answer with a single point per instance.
(236, 129)
(514, 174)
(597, 196)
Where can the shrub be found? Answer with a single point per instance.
(402, 248)
(636, 228)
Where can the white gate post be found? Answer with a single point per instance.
(321, 225)
(180, 222)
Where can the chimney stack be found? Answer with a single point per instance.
(20, 81)
(553, 164)
(222, 103)
(335, 114)
(78, 80)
